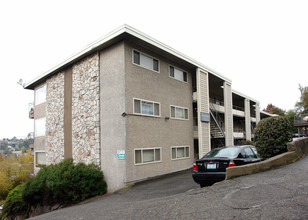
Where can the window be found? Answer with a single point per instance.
(40, 158)
(144, 107)
(249, 153)
(40, 95)
(40, 127)
(147, 155)
(179, 113)
(180, 152)
(145, 61)
(177, 74)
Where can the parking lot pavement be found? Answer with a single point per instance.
(167, 185)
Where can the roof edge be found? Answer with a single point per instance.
(134, 32)
(245, 96)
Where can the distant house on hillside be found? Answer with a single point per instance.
(137, 108)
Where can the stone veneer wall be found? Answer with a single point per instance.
(85, 111)
(55, 119)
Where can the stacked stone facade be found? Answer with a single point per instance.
(85, 111)
(55, 119)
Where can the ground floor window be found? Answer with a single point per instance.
(40, 158)
(147, 155)
(180, 152)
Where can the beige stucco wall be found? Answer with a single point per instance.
(39, 141)
(151, 132)
(112, 105)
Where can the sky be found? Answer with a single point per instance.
(262, 46)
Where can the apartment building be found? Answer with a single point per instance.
(137, 108)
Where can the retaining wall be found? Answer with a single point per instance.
(296, 149)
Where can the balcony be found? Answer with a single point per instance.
(31, 110)
(301, 121)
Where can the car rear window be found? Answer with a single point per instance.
(222, 152)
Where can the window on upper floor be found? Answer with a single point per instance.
(147, 155)
(40, 95)
(40, 128)
(179, 112)
(148, 108)
(145, 61)
(177, 74)
(180, 152)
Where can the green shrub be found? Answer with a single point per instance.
(35, 190)
(14, 204)
(272, 135)
(65, 183)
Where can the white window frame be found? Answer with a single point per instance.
(147, 55)
(142, 149)
(173, 77)
(185, 119)
(41, 133)
(159, 109)
(176, 152)
(35, 162)
(40, 99)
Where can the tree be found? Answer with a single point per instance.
(302, 105)
(274, 110)
(290, 116)
(14, 171)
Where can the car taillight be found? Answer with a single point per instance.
(195, 167)
(231, 164)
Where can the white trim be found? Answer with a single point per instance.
(244, 96)
(117, 32)
(181, 158)
(174, 67)
(151, 148)
(145, 54)
(184, 119)
(157, 116)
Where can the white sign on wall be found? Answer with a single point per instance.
(121, 154)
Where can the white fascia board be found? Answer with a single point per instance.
(134, 32)
(245, 96)
(172, 51)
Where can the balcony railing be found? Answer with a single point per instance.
(31, 110)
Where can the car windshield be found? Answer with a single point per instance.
(222, 152)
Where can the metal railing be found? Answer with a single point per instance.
(216, 118)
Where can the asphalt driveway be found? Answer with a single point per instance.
(157, 188)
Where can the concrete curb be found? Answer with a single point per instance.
(296, 150)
